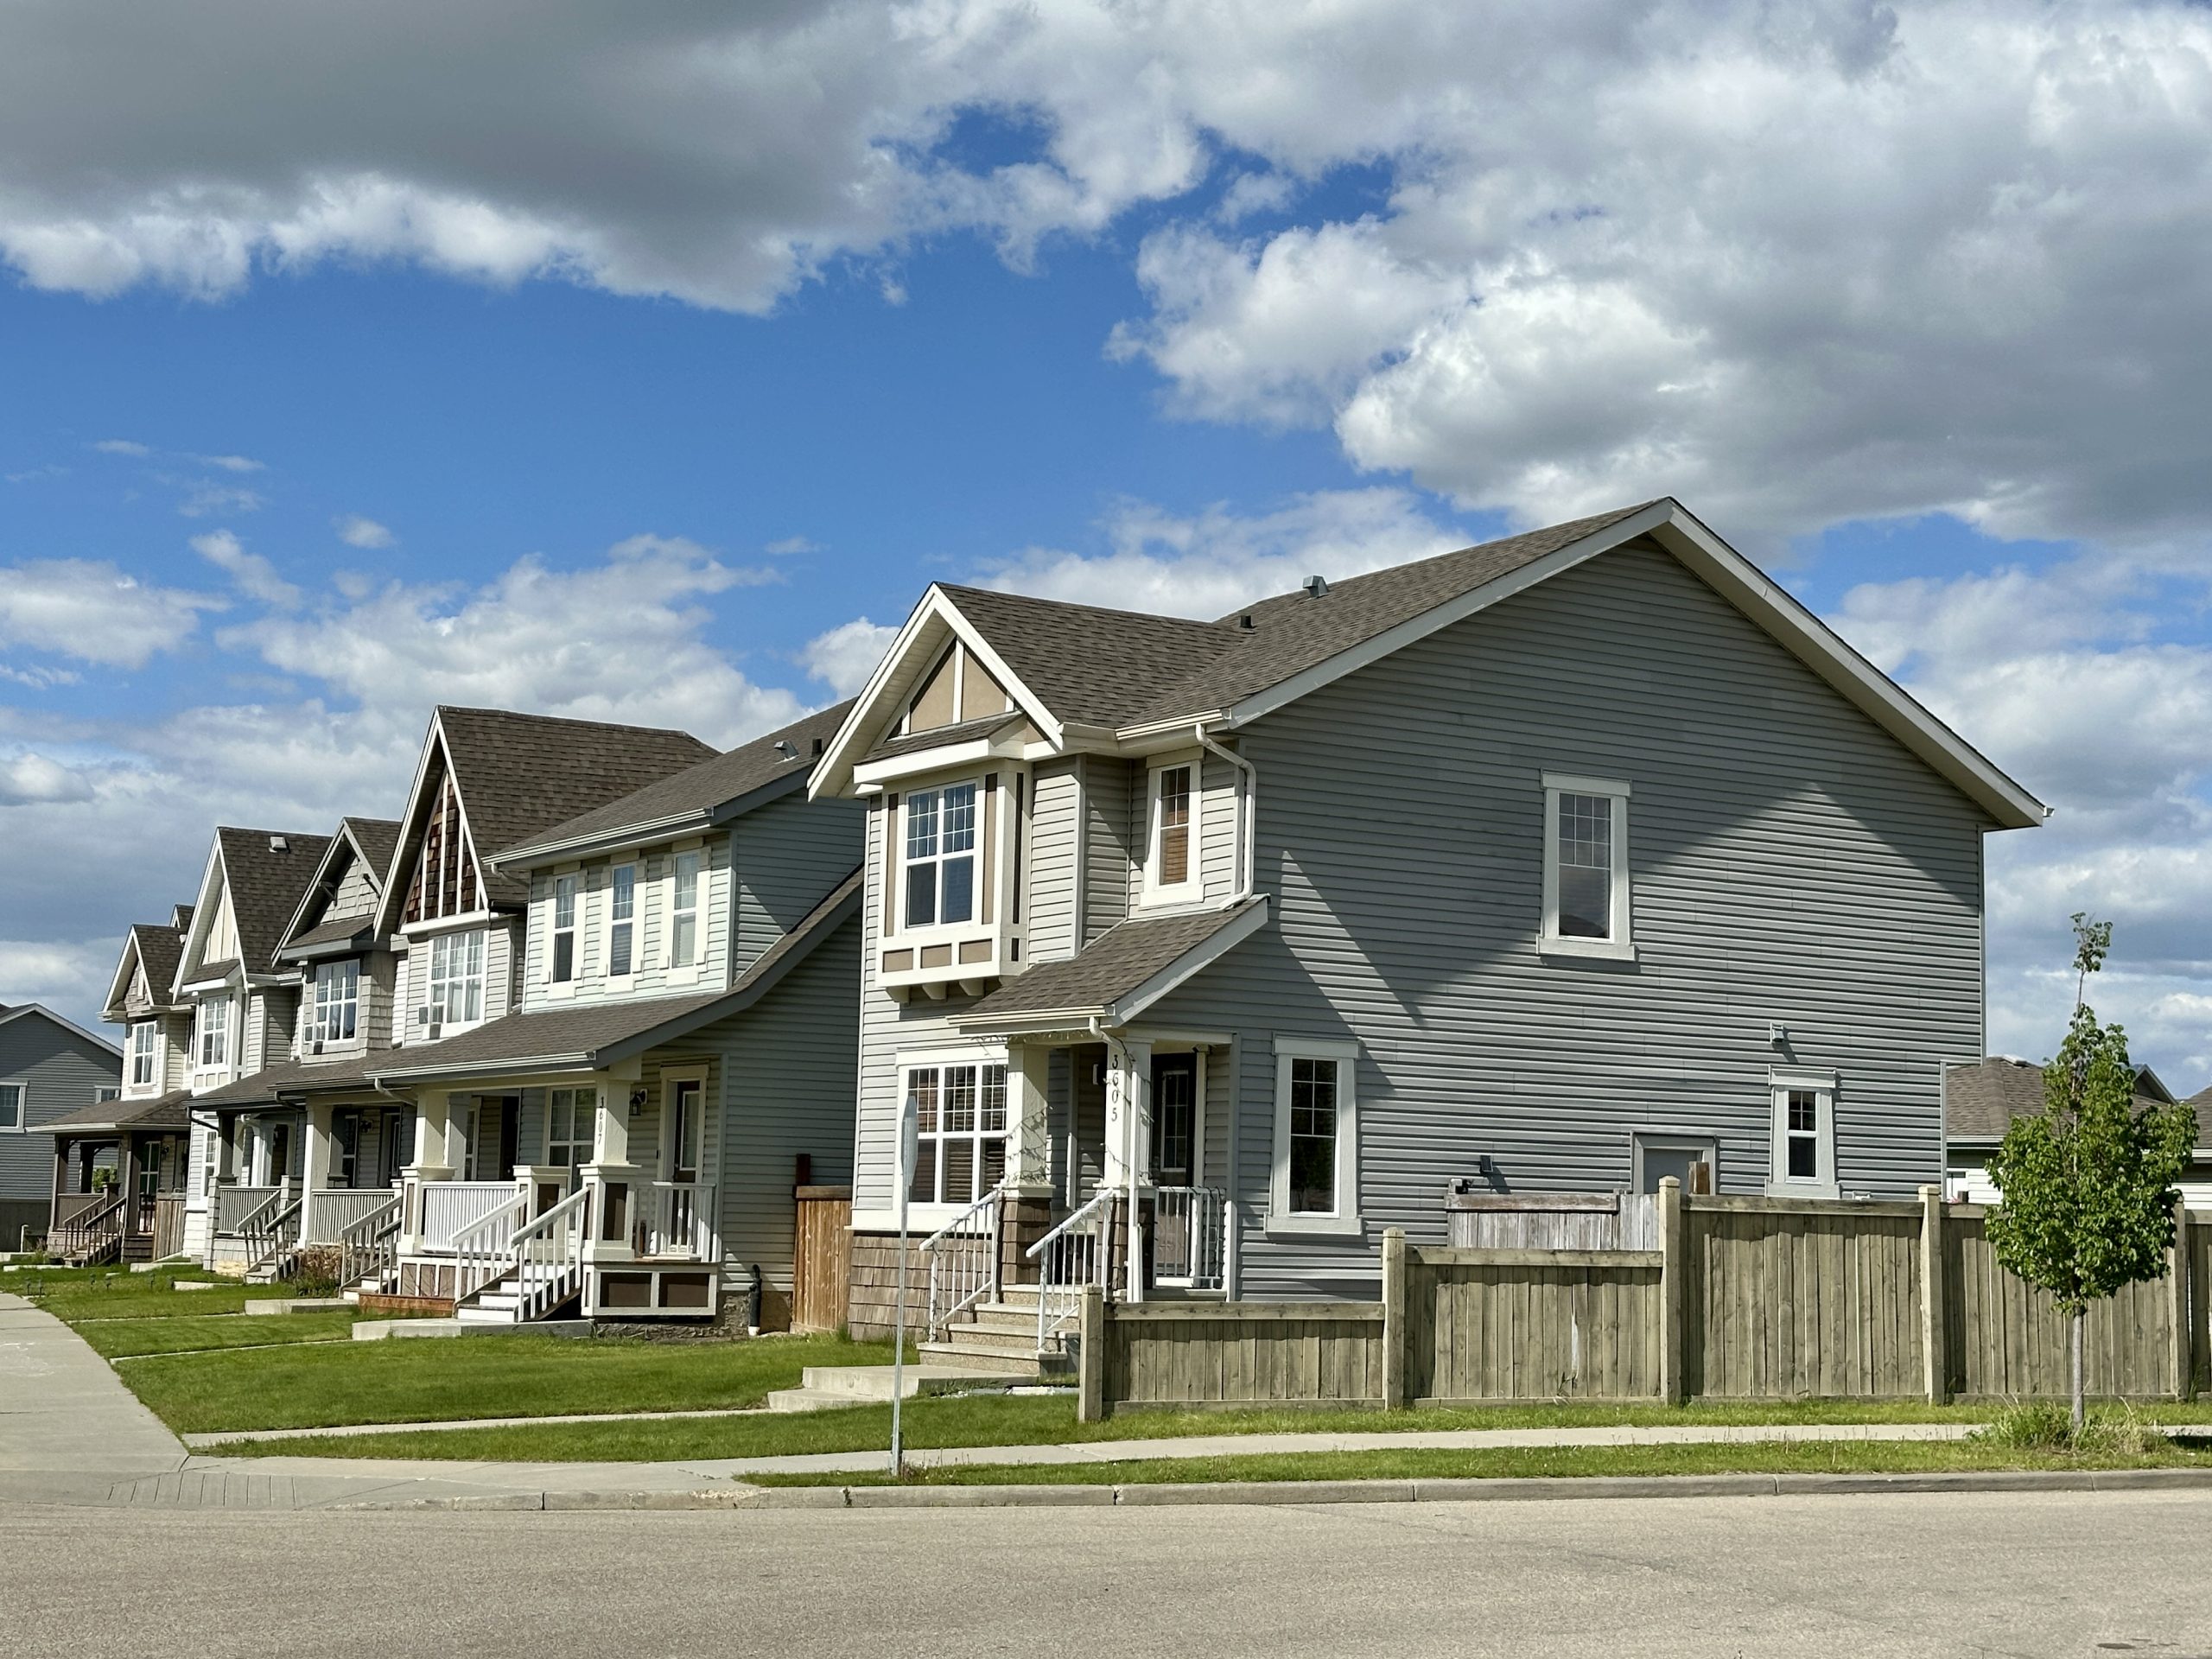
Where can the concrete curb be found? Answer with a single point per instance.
(1526, 1489)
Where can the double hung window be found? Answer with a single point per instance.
(1803, 1157)
(1171, 868)
(337, 1002)
(456, 982)
(564, 928)
(683, 912)
(1317, 1137)
(568, 1123)
(213, 1042)
(11, 1106)
(940, 856)
(1585, 897)
(960, 1112)
(144, 1034)
(622, 922)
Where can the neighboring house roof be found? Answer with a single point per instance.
(156, 947)
(338, 933)
(264, 871)
(377, 838)
(369, 840)
(271, 1085)
(1981, 1099)
(221, 968)
(1130, 673)
(9, 1015)
(696, 797)
(1115, 977)
(168, 1111)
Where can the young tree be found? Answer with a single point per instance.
(2087, 1185)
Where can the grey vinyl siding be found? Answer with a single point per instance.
(1110, 843)
(1219, 844)
(790, 853)
(61, 1072)
(1049, 867)
(1789, 861)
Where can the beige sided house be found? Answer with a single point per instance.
(1204, 952)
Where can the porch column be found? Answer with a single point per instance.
(317, 1170)
(126, 1179)
(1029, 1149)
(62, 1144)
(429, 1165)
(618, 1189)
(1129, 1144)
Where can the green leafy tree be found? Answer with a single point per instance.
(2088, 1184)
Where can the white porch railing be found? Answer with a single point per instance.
(452, 1208)
(235, 1204)
(270, 1232)
(964, 1258)
(548, 1256)
(484, 1250)
(681, 1222)
(368, 1245)
(1076, 1253)
(1189, 1227)
(332, 1209)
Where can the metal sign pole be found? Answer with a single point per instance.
(909, 1138)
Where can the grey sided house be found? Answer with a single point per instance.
(1982, 1098)
(1203, 952)
(50, 1069)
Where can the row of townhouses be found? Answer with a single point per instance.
(1187, 956)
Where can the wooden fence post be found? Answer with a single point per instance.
(1673, 1271)
(2180, 1295)
(1934, 1318)
(1393, 1317)
(1090, 1356)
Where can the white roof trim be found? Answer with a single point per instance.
(1193, 962)
(202, 912)
(23, 1009)
(343, 841)
(119, 984)
(394, 887)
(833, 773)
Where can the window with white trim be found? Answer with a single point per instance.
(1316, 1187)
(564, 928)
(336, 1010)
(11, 1106)
(960, 1111)
(144, 1035)
(622, 922)
(940, 855)
(1803, 1135)
(106, 1091)
(1172, 853)
(569, 1118)
(1586, 867)
(212, 1038)
(683, 911)
(456, 993)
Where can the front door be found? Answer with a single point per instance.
(1174, 1164)
(685, 1098)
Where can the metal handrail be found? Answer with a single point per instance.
(1057, 1251)
(483, 1251)
(548, 1254)
(955, 1285)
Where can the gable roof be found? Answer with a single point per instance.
(267, 872)
(369, 840)
(709, 792)
(517, 774)
(169, 1111)
(1981, 1098)
(156, 947)
(9, 1014)
(1131, 673)
(1121, 972)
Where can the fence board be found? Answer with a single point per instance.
(2014, 1341)
(821, 1239)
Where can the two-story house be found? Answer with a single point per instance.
(1200, 952)
(139, 1134)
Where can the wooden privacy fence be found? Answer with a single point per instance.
(821, 1255)
(1742, 1298)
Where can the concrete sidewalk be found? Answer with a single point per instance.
(62, 1408)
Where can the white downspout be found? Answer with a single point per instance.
(1247, 865)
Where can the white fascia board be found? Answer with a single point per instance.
(17, 1012)
(949, 758)
(203, 908)
(833, 775)
(119, 984)
(1190, 963)
(1857, 681)
(433, 743)
(537, 855)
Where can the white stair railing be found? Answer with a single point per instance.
(270, 1232)
(1189, 1235)
(549, 1256)
(964, 1258)
(1075, 1254)
(368, 1246)
(483, 1251)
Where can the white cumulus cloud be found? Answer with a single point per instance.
(843, 658)
(256, 577)
(356, 532)
(89, 610)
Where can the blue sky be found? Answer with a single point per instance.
(659, 389)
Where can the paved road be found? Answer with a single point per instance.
(2025, 1573)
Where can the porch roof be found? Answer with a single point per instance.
(158, 1112)
(1121, 972)
(274, 1084)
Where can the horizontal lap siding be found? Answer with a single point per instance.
(1049, 868)
(789, 855)
(1519, 1333)
(60, 1073)
(1790, 862)
(1111, 842)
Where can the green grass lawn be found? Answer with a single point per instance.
(123, 1338)
(1834, 1458)
(502, 1375)
(108, 1294)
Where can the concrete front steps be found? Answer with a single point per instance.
(870, 1385)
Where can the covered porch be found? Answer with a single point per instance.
(119, 1181)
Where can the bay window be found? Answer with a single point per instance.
(144, 1034)
(960, 1114)
(213, 1038)
(940, 855)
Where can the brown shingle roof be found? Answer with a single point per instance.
(288, 1077)
(159, 947)
(1980, 1100)
(1112, 965)
(160, 1112)
(696, 790)
(266, 884)
(377, 838)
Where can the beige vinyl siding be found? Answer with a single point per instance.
(406, 967)
(790, 853)
(1789, 862)
(1049, 867)
(356, 894)
(499, 968)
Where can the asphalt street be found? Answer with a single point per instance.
(1954, 1574)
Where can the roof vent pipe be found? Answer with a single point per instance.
(1245, 621)
(787, 748)
(1315, 587)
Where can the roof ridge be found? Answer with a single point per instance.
(1213, 626)
(444, 709)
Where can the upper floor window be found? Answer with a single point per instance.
(1586, 867)
(941, 855)
(960, 1148)
(337, 1002)
(214, 1040)
(569, 1114)
(1804, 1134)
(106, 1091)
(11, 1105)
(1171, 864)
(683, 912)
(564, 928)
(456, 993)
(144, 1035)
(622, 922)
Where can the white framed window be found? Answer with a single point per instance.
(212, 1039)
(570, 1116)
(455, 990)
(1586, 867)
(1315, 1187)
(683, 911)
(105, 1091)
(622, 922)
(940, 855)
(960, 1113)
(1171, 865)
(144, 1037)
(564, 928)
(336, 1012)
(11, 1107)
(1804, 1134)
